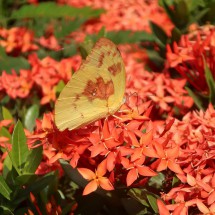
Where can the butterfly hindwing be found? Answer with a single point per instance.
(95, 91)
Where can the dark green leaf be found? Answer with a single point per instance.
(4, 188)
(199, 15)
(176, 34)
(5, 210)
(73, 173)
(8, 63)
(69, 50)
(155, 58)
(181, 13)
(35, 187)
(31, 116)
(195, 98)
(210, 82)
(6, 113)
(19, 150)
(33, 160)
(132, 206)
(25, 179)
(169, 11)
(159, 34)
(53, 10)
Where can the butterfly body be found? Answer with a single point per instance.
(95, 91)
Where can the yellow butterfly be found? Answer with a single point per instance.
(95, 91)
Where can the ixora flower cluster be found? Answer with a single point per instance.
(131, 148)
(41, 79)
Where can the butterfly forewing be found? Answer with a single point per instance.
(95, 91)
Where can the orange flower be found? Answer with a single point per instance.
(187, 57)
(135, 168)
(16, 40)
(96, 179)
(17, 86)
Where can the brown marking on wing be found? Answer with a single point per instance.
(115, 68)
(77, 98)
(99, 89)
(101, 58)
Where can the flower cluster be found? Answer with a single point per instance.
(188, 56)
(42, 78)
(130, 148)
(17, 40)
(167, 94)
(120, 15)
(194, 136)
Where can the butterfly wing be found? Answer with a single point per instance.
(95, 91)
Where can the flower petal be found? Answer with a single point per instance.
(87, 173)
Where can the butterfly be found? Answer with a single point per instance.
(95, 91)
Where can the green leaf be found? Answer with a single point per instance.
(6, 113)
(159, 34)
(36, 187)
(33, 160)
(25, 179)
(19, 150)
(121, 37)
(5, 133)
(8, 63)
(210, 82)
(175, 181)
(195, 98)
(6, 210)
(86, 47)
(197, 3)
(73, 173)
(153, 202)
(53, 10)
(102, 32)
(68, 27)
(4, 188)
(7, 167)
(60, 86)
(31, 116)
(139, 196)
(157, 181)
